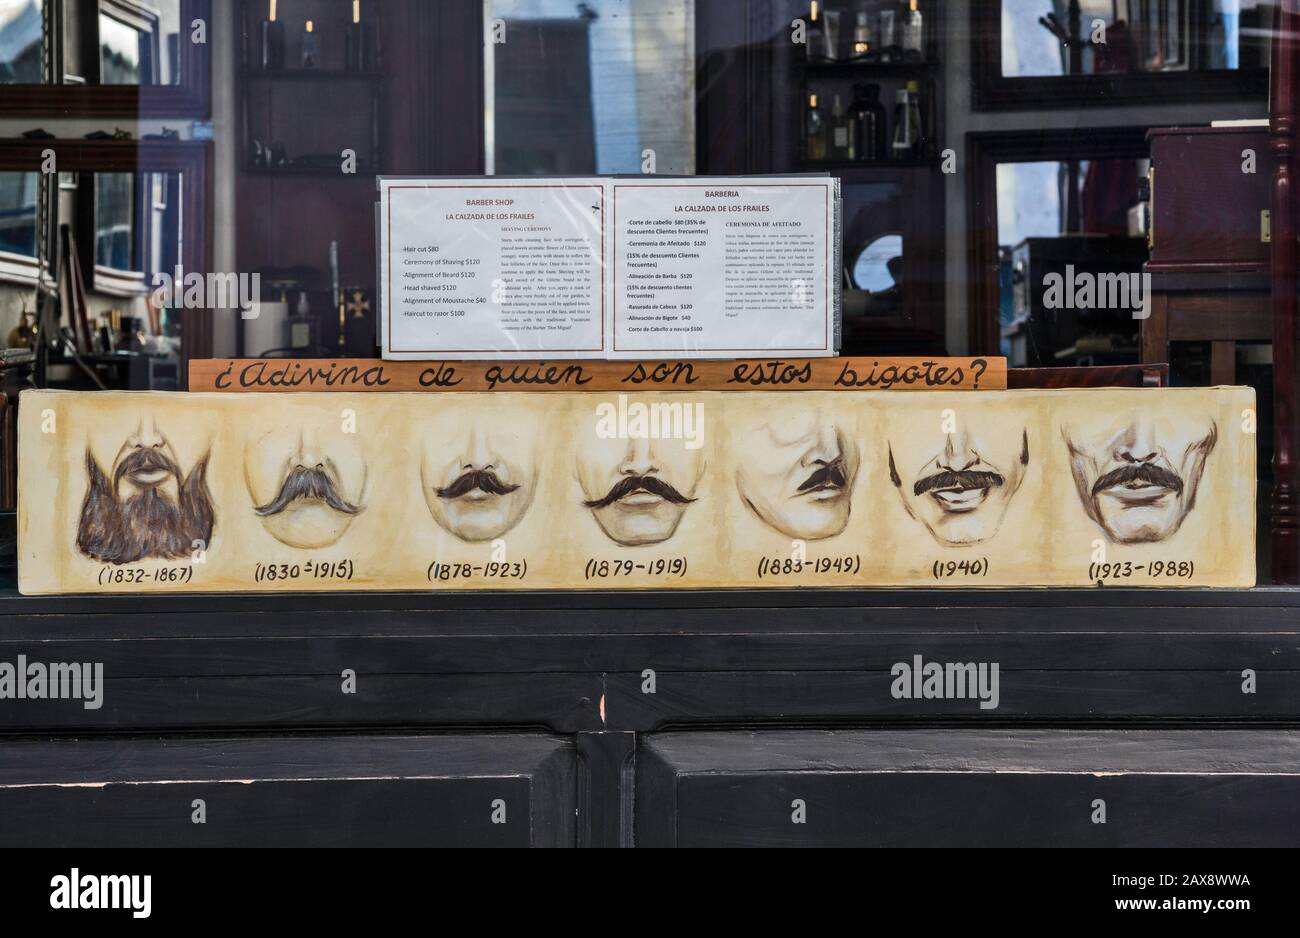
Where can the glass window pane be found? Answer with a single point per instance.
(589, 88)
(21, 24)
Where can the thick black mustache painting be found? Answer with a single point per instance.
(963, 480)
(633, 484)
(832, 475)
(149, 524)
(308, 485)
(1139, 472)
(482, 480)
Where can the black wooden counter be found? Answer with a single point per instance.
(657, 718)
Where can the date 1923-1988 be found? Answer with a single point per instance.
(1156, 570)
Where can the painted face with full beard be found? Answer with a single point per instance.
(146, 510)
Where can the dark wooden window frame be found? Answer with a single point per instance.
(191, 97)
(192, 159)
(993, 91)
(984, 151)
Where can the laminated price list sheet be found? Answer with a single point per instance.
(608, 268)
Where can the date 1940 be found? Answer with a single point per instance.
(948, 569)
(145, 576)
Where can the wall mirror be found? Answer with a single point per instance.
(105, 57)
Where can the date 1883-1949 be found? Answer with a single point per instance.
(808, 568)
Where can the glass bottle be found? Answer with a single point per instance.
(904, 130)
(842, 140)
(913, 33)
(869, 122)
(814, 41)
(815, 131)
(862, 37)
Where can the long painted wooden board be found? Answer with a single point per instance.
(163, 493)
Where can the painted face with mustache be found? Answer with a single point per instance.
(639, 490)
(960, 484)
(480, 483)
(307, 488)
(1137, 476)
(796, 472)
(147, 510)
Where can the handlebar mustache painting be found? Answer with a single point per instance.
(191, 493)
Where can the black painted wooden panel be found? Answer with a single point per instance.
(970, 788)
(317, 791)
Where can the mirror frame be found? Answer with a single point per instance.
(191, 97)
(193, 159)
(984, 151)
(993, 91)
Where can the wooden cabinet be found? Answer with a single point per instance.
(1210, 194)
(688, 718)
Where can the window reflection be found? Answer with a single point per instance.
(1064, 37)
(18, 195)
(590, 87)
(21, 23)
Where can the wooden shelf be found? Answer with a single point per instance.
(317, 172)
(846, 68)
(308, 74)
(836, 165)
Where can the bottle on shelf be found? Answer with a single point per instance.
(841, 140)
(869, 121)
(907, 123)
(862, 37)
(814, 131)
(887, 34)
(920, 142)
(913, 39)
(814, 42)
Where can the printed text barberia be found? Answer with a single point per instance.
(776, 374)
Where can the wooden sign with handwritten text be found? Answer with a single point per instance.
(833, 374)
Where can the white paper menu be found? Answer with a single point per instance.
(613, 268)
